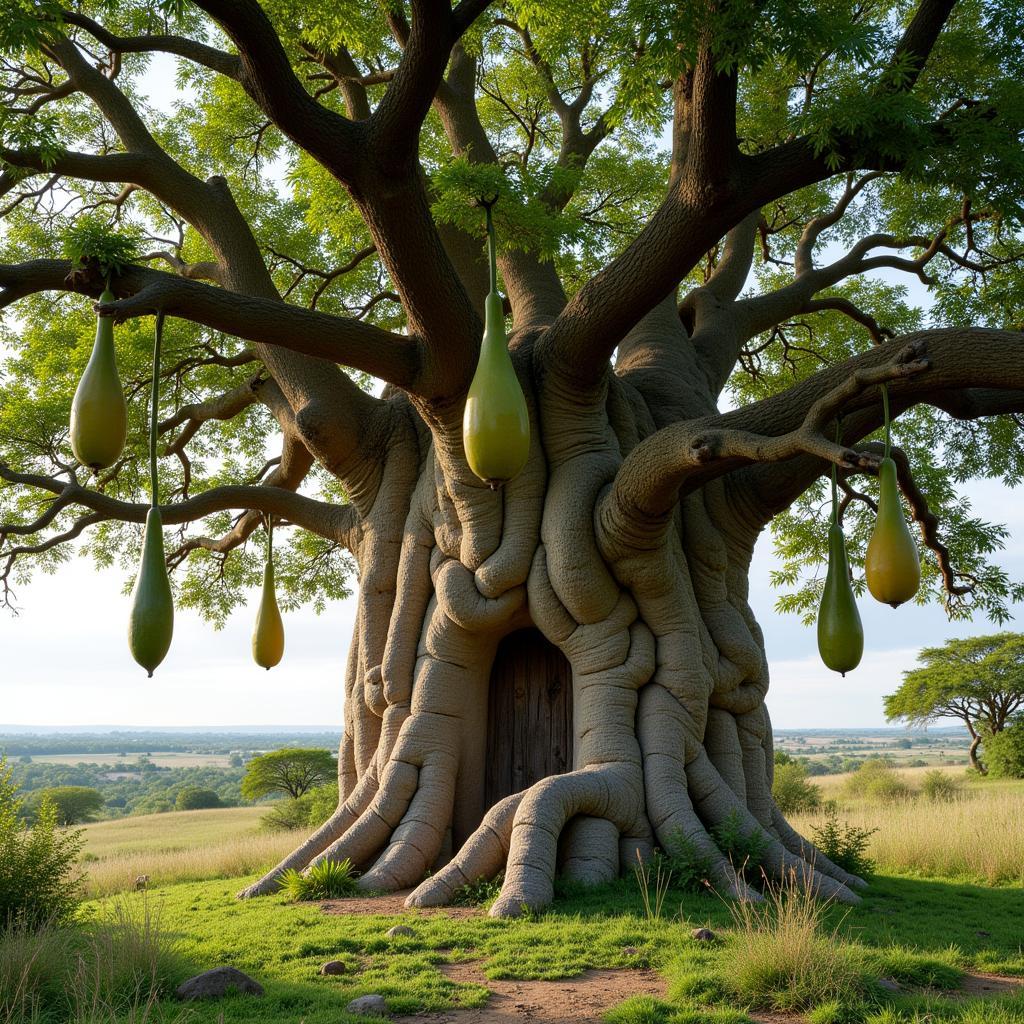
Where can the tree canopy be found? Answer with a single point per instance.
(73, 804)
(870, 138)
(978, 680)
(292, 770)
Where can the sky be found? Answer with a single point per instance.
(64, 659)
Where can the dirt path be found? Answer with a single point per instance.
(390, 904)
(582, 999)
(975, 985)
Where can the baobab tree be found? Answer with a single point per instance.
(694, 201)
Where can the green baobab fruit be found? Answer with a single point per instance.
(99, 417)
(268, 636)
(151, 624)
(892, 565)
(495, 425)
(840, 634)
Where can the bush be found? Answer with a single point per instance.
(745, 850)
(875, 780)
(844, 844)
(481, 893)
(791, 790)
(308, 811)
(192, 798)
(38, 881)
(939, 787)
(690, 870)
(1004, 752)
(328, 880)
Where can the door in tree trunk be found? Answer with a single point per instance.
(529, 715)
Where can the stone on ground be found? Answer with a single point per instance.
(218, 982)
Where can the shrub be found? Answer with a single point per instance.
(939, 787)
(690, 870)
(192, 798)
(791, 790)
(745, 849)
(875, 780)
(38, 881)
(844, 844)
(328, 880)
(782, 958)
(481, 893)
(308, 811)
(1004, 752)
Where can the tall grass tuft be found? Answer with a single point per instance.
(783, 958)
(111, 970)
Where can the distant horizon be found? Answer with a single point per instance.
(11, 729)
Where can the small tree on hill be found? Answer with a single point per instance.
(73, 804)
(291, 771)
(979, 680)
(1004, 752)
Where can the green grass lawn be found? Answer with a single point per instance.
(917, 932)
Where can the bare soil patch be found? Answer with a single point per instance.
(582, 999)
(390, 904)
(974, 985)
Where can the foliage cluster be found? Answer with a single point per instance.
(38, 879)
(291, 770)
(308, 811)
(328, 880)
(845, 844)
(792, 791)
(1004, 752)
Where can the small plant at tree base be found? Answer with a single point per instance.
(654, 877)
(690, 870)
(481, 893)
(744, 849)
(328, 880)
(38, 880)
(845, 844)
(940, 787)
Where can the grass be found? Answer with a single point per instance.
(918, 932)
(979, 836)
(180, 846)
(112, 969)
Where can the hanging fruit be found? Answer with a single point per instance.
(840, 633)
(892, 564)
(99, 416)
(151, 623)
(496, 424)
(268, 636)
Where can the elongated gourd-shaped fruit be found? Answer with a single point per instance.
(495, 425)
(99, 416)
(892, 565)
(840, 634)
(268, 636)
(151, 624)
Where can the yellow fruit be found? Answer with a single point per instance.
(99, 417)
(840, 634)
(892, 565)
(268, 636)
(495, 425)
(151, 624)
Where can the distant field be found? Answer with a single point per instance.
(979, 836)
(182, 846)
(940, 749)
(162, 759)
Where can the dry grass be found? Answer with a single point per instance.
(189, 846)
(979, 836)
(783, 957)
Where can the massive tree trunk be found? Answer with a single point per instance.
(526, 693)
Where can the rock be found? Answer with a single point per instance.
(218, 982)
(370, 1006)
(889, 985)
(630, 950)
(333, 967)
(399, 929)
(703, 935)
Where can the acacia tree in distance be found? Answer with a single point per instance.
(290, 770)
(979, 680)
(557, 674)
